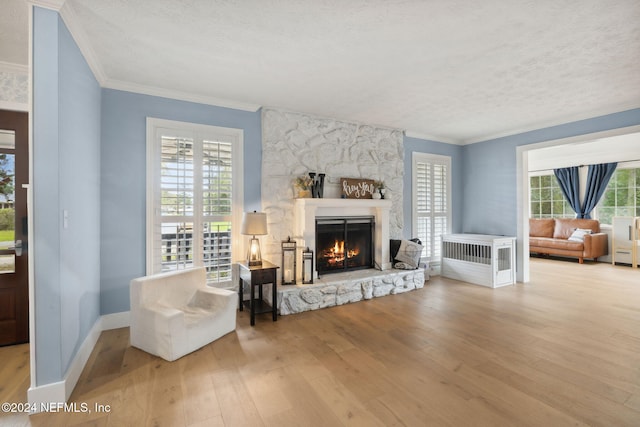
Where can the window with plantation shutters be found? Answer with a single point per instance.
(194, 200)
(431, 202)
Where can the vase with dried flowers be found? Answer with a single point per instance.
(382, 189)
(303, 185)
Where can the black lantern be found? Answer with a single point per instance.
(307, 266)
(288, 262)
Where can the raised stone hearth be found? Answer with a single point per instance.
(343, 288)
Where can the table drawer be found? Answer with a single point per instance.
(263, 276)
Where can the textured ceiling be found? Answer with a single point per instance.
(14, 32)
(451, 70)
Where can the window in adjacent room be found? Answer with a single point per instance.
(546, 199)
(431, 201)
(622, 196)
(194, 197)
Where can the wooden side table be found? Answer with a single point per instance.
(257, 276)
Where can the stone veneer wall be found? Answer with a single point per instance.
(295, 144)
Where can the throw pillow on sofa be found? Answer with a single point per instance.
(578, 234)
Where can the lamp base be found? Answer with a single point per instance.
(254, 258)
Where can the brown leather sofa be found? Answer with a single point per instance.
(550, 236)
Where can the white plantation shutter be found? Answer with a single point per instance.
(431, 201)
(194, 198)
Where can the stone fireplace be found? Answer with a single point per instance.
(294, 144)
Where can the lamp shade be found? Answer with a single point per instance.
(254, 223)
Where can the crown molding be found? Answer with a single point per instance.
(48, 4)
(71, 20)
(179, 95)
(10, 67)
(427, 137)
(556, 122)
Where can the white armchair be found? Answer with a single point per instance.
(173, 314)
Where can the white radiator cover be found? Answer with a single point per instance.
(480, 259)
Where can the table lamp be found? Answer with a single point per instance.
(254, 224)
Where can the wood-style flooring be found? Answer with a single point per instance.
(562, 350)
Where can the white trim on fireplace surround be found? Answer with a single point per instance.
(306, 211)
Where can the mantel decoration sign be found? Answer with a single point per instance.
(357, 188)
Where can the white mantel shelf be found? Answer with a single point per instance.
(344, 203)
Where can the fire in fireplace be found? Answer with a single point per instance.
(344, 244)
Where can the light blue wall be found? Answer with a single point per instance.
(89, 159)
(45, 252)
(489, 171)
(123, 189)
(415, 145)
(66, 161)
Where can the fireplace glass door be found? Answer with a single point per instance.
(344, 244)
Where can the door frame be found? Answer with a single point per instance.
(18, 121)
(522, 191)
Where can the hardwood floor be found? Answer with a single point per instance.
(14, 381)
(561, 350)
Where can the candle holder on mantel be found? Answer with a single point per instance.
(307, 266)
(288, 262)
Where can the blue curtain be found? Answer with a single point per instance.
(569, 181)
(597, 180)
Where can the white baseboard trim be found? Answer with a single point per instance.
(41, 397)
(115, 320)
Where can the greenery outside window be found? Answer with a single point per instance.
(546, 198)
(194, 198)
(622, 196)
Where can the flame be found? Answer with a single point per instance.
(336, 254)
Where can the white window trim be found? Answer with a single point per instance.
(418, 157)
(153, 126)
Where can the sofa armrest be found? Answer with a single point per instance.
(209, 298)
(158, 330)
(162, 311)
(155, 316)
(596, 245)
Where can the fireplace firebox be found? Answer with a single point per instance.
(344, 243)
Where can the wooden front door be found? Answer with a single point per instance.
(14, 276)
